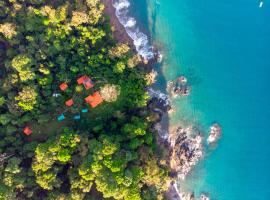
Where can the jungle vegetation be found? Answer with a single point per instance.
(110, 153)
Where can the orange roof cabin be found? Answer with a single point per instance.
(69, 102)
(27, 130)
(88, 84)
(82, 79)
(94, 100)
(89, 99)
(63, 86)
(86, 81)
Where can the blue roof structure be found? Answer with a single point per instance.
(61, 117)
(77, 117)
(85, 110)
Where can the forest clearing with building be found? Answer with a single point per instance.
(74, 122)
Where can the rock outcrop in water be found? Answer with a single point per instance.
(186, 149)
(215, 133)
(179, 87)
(184, 144)
(204, 197)
(174, 194)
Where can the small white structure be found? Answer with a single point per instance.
(261, 4)
(56, 95)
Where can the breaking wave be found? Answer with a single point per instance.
(162, 97)
(140, 39)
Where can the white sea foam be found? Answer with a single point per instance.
(164, 98)
(140, 39)
(131, 23)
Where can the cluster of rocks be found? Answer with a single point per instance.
(163, 99)
(204, 197)
(174, 194)
(179, 87)
(187, 196)
(191, 196)
(186, 145)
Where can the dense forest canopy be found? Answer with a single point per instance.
(51, 149)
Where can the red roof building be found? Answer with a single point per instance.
(63, 86)
(89, 99)
(88, 84)
(82, 79)
(27, 130)
(94, 100)
(69, 102)
(86, 81)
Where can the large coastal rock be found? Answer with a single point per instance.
(183, 144)
(174, 194)
(186, 145)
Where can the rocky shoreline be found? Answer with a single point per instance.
(184, 145)
(121, 35)
(119, 32)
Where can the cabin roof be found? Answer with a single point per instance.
(27, 130)
(77, 117)
(63, 86)
(69, 102)
(82, 79)
(88, 84)
(85, 110)
(94, 100)
(61, 117)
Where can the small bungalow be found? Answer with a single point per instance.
(84, 110)
(86, 81)
(63, 86)
(69, 102)
(61, 117)
(77, 117)
(89, 99)
(94, 100)
(82, 79)
(88, 84)
(27, 131)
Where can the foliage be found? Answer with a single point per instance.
(110, 92)
(22, 64)
(119, 51)
(151, 77)
(46, 43)
(8, 30)
(134, 61)
(27, 98)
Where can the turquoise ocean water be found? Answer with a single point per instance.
(224, 49)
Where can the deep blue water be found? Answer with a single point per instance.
(224, 48)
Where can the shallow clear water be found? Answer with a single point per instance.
(224, 49)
